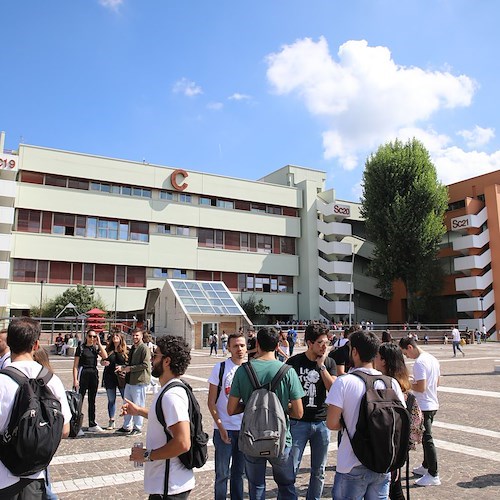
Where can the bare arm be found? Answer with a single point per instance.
(212, 406)
(75, 371)
(65, 431)
(130, 408)
(340, 370)
(295, 409)
(419, 385)
(333, 418)
(235, 406)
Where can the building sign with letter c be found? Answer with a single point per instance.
(460, 223)
(174, 179)
(343, 210)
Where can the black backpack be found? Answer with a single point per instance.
(35, 426)
(75, 401)
(197, 456)
(382, 432)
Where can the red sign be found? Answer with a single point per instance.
(7, 163)
(175, 175)
(341, 210)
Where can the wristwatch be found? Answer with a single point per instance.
(147, 456)
(322, 368)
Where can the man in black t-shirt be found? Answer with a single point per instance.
(342, 355)
(251, 344)
(316, 373)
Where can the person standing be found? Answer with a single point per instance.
(483, 333)
(213, 342)
(290, 394)
(352, 479)
(251, 344)
(456, 341)
(137, 378)
(85, 375)
(224, 339)
(292, 339)
(426, 373)
(229, 460)
(316, 372)
(170, 361)
(5, 358)
(23, 337)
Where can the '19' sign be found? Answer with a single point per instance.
(7, 163)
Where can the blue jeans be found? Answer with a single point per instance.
(224, 455)
(136, 394)
(456, 345)
(111, 393)
(282, 473)
(361, 483)
(318, 435)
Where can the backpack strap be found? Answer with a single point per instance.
(279, 376)
(370, 380)
(221, 375)
(252, 375)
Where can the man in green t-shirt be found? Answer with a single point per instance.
(290, 394)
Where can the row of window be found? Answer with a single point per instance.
(35, 271)
(126, 190)
(36, 221)
(247, 242)
(242, 282)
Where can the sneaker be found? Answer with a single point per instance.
(135, 432)
(80, 434)
(420, 471)
(111, 425)
(463, 354)
(428, 480)
(122, 430)
(95, 428)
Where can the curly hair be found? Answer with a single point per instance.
(177, 349)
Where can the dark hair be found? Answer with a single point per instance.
(386, 336)
(22, 334)
(177, 349)
(366, 343)
(237, 335)
(395, 365)
(135, 330)
(406, 341)
(312, 332)
(268, 339)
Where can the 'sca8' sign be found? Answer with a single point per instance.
(341, 210)
(459, 223)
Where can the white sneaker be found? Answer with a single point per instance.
(420, 471)
(95, 428)
(428, 480)
(80, 434)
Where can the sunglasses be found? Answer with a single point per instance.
(92, 336)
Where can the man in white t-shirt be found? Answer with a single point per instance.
(22, 338)
(352, 479)
(426, 374)
(5, 358)
(455, 332)
(229, 460)
(170, 361)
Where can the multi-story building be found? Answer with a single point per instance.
(125, 227)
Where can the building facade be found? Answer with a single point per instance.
(124, 227)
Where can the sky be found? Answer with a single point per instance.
(241, 88)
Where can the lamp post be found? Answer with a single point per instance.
(482, 310)
(116, 297)
(298, 306)
(351, 285)
(41, 296)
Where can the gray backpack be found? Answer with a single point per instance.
(263, 428)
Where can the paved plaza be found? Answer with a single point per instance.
(466, 430)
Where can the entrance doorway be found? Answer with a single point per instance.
(206, 330)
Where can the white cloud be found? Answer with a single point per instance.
(215, 106)
(186, 87)
(239, 97)
(364, 98)
(478, 136)
(111, 4)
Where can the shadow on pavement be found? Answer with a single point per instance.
(482, 481)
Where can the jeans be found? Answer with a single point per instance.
(430, 456)
(318, 435)
(225, 454)
(213, 348)
(361, 483)
(224, 348)
(89, 380)
(136, 394)
(456, 345)
(282, 473)
(111, 393)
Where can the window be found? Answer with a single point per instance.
(166, 195)
(273, 210)
(107, 229)
(231, 240)
(88, 274)
(126, 191)
(32, 177)
(205, 237)
(179, 274)
(115, 189)
(204, 200)
(28, 220)
(244, 242)
(163, 228)
(24, 270)
(136, 276)
(121, 276)
(242, 205)
(225, 204)
(184, 198)
(78, 184)
(160, 272)
(264, 243)
(55, 180)
(124, 231)
(287, 245)
(77, 273)
(64, 224)
(285, 284)
(219, 239)
(95, 186)
(106, 188)
(91, 227)
(60, 272)
(139, 231)
(182, 231)
(104, 275)
(258, 207)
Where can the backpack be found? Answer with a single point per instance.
(75, 402)
(264, 424)
(197, 456)
(221, 375)
(382, 434)
(35, 427)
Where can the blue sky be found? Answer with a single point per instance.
(242, 88)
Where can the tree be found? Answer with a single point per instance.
(255, 309)
(82, 297)
(403, 205)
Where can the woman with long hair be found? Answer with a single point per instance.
(117, 352)
(390, 361)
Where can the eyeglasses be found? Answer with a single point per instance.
(92, 336)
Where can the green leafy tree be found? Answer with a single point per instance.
(82, 297)
(255, 309)
(403, 205)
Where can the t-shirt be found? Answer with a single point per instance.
(346, 393)
(5, 360)
(315, 391)
(8, 389)
(456, 335)
(251, 344)
(87, 355)
(341, 356)
(288, 390)
(426, 367)
(175, 406)
(230, 423)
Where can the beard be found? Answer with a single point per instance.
(157, 370)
